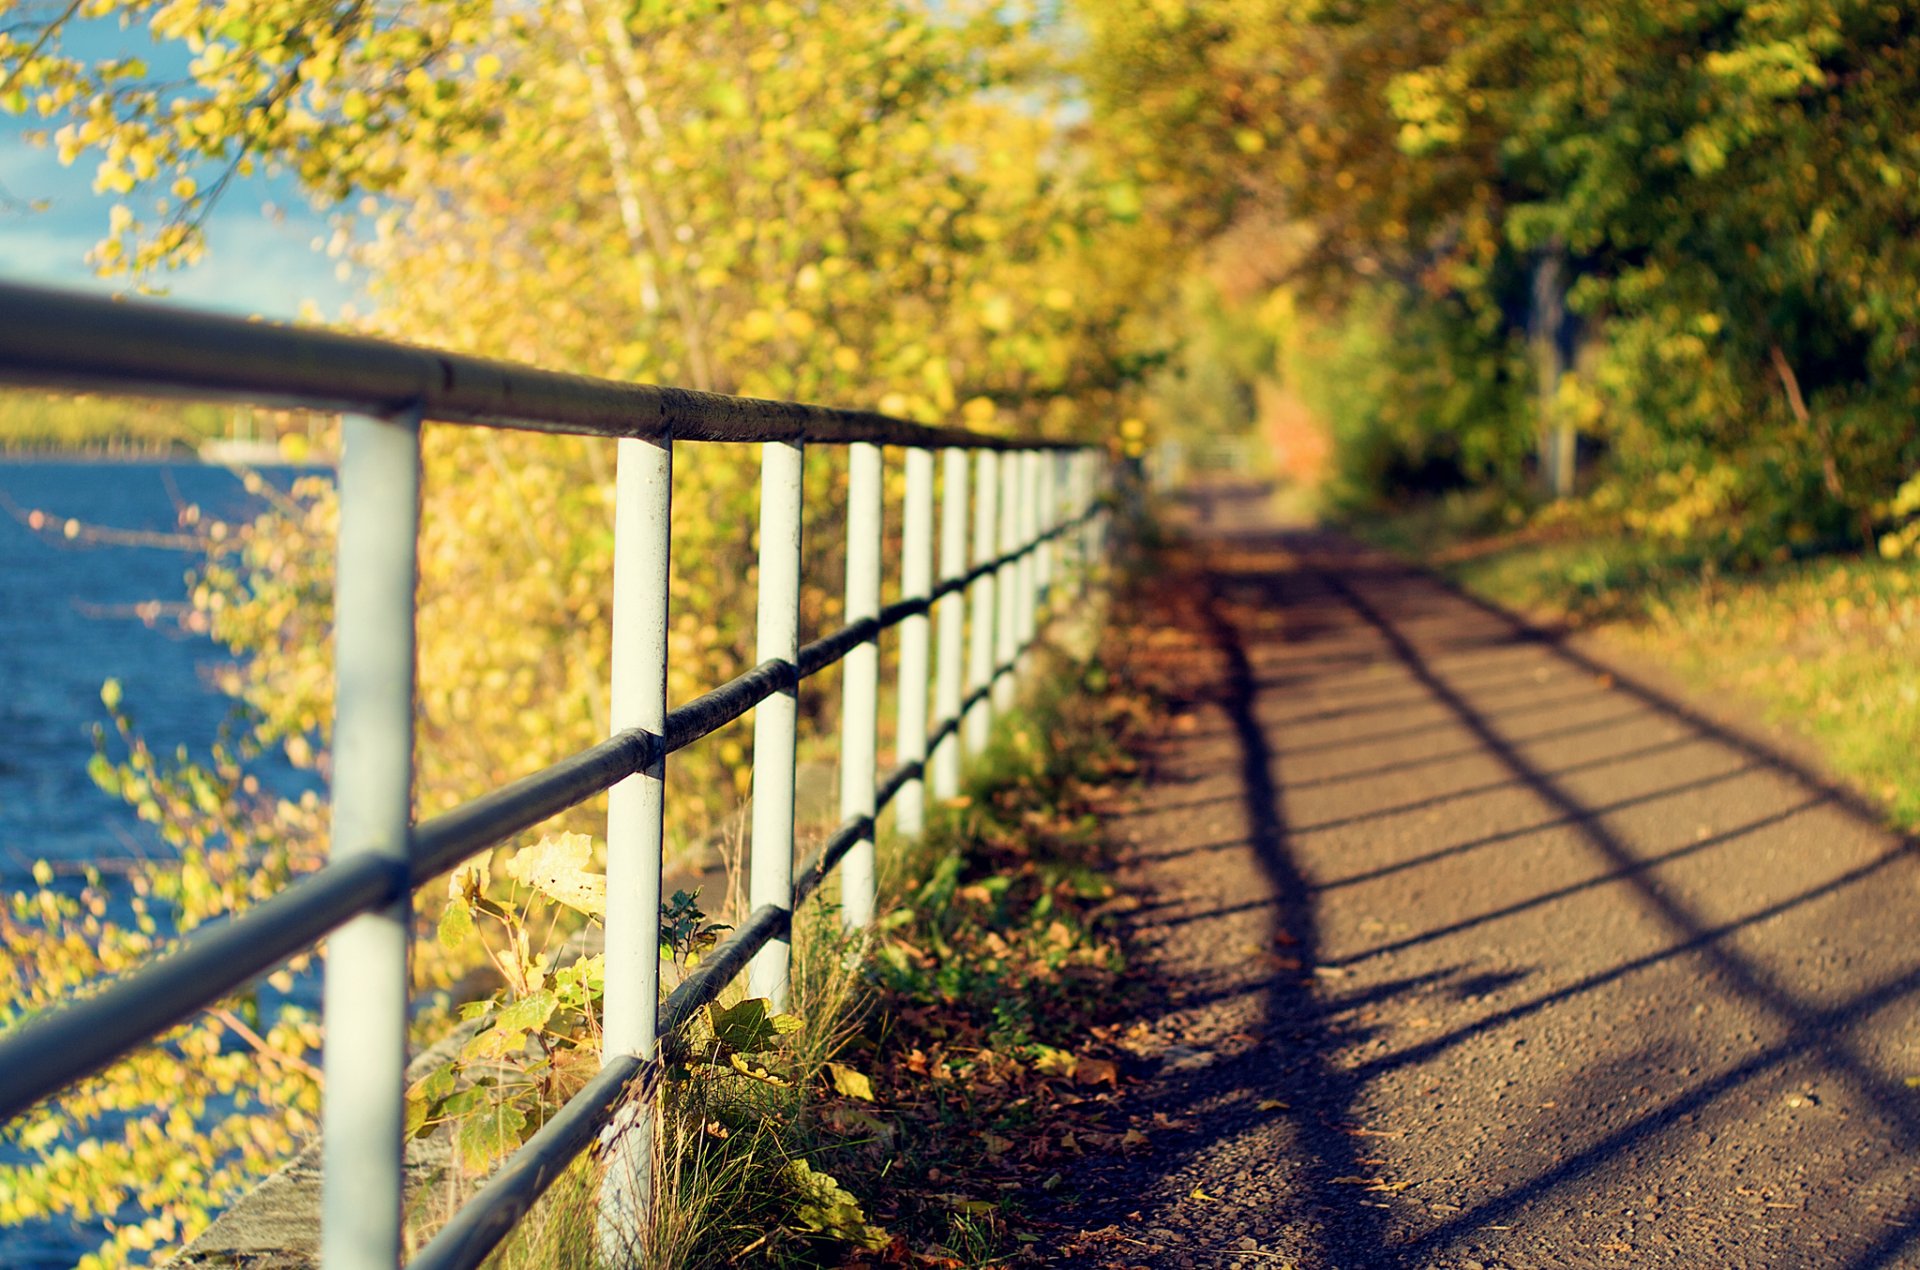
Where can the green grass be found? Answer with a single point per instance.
(1827, 647)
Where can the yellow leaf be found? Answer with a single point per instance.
(557, 868)
(849, 1083)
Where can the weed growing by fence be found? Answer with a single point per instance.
(926, 1074)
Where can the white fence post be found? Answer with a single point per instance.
(1029, 574)
(860, 683)
(1082, 507)
(944, 777)
(642, 534)
(980, 605)
(1007, 586)
(365, 995)
(776, 719)
(916, 581)
(1050, 468)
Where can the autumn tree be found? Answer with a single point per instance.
(1728, 192)
(863, 203)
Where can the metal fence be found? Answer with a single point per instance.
(1036, 516)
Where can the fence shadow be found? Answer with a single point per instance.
(1310, 1021)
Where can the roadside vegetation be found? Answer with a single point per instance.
(930, 1077)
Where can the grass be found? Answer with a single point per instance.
(944, 1060)
(1827, 647)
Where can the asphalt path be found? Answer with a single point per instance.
(1475, 951)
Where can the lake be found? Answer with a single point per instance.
(69, 620)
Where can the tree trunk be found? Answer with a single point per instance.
(1544, 338)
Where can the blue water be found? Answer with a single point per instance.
(69, 619)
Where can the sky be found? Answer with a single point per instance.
(262, 255)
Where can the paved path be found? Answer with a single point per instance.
(1480, 956)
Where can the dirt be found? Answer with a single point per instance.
(1471, 952)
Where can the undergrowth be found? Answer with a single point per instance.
(930, 1073)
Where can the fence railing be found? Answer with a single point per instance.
(1037, 518)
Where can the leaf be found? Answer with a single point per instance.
(506, 1032)
(849, 1083)
(556, 867)
(1049, 1061)
(740, 1064)
(1096, 1071)
(489, 1135)
(747, 1027)
(529, 1014)
(1270, 1104)
(436, 1085)
(456, 924)
(467, 1102)
(823, 1206)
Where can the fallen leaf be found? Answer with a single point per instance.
(1271, 1104)
(1096, 1071)
(850, 1083)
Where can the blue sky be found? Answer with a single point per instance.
(258, 261)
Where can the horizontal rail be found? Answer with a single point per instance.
(808, 877)
(78, 1039)
(54, 339)
(896, 780)
(490, 1216)
(477, 1229)
(720, 964)
(59, 339)
(711, 711)
(443, 842)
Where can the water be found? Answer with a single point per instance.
(68, 621)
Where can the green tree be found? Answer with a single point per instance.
(1731, 188)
